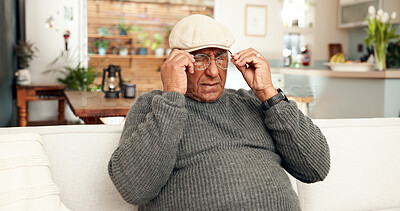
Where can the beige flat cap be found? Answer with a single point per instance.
(196, 32)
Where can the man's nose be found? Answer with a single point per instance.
(212, 70)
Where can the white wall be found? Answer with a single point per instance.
(50, 44)
(325, 30)
(231, 13)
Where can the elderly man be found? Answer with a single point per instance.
(198, 146)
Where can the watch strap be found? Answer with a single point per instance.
(274, 100)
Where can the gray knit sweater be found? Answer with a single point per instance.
(176, 153)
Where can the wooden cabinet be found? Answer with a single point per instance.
(352, 13)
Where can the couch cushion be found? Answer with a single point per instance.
(25, 179)
(79, 157)
(365, 167)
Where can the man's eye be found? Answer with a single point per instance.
(199, 58)
(222, 55)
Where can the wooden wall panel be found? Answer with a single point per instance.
(153, 18)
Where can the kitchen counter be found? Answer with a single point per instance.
(344, 94)
(388, 74)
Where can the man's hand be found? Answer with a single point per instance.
(255, 70)
(173, 71)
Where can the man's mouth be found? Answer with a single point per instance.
(209, 84)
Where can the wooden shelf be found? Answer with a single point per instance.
(116, 56)
(122, 37)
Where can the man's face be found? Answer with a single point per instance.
(207, 85)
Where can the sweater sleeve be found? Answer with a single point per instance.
(300, 143)
(146, 155)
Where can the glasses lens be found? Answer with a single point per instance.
(222, 61)
(201, 61)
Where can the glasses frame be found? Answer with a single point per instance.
(209, 61)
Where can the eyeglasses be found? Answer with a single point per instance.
(203, 61)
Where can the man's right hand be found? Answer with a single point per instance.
(173, 71)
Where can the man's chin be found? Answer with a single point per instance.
(209, 97)
(206, 97)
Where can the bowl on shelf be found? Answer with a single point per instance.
(350, 67)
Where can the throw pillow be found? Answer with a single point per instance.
(25, 179)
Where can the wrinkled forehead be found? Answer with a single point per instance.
(210, 51)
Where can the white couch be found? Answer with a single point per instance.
(365, 165)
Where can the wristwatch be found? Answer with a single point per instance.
(274, 100)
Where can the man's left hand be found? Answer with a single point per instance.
(256, 71)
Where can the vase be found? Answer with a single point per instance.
(23, 77)
(380, 56)
(159, 51)
(142, 51)
(123, 52)
(102, 51)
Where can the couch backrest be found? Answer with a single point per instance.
(78, 163)
(365, 167)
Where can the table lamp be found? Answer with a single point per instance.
(111, 85)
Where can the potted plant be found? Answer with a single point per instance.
(102, 46)
(24, 52)
(73, 74)
(158, 51)
(144, 43)
(123, 29)
(123, 51)
(77, 77)
(103, 31)
(379, 32)
(168, 30)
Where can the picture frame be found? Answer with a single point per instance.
(256, 20)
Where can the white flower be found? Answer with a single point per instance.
(385, 17)
(380, 12)
(371, 10)
(378, 17)
(394, 15)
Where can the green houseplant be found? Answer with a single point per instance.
(73, 74)
(144, 43)
(78, 77)
(379, 32)
(124, 29)
(158, 51)
(168, 30)
(103, 31)
(157, 41)
(102, 46)
(25, 52)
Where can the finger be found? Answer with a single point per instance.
(241, 68)
(183, 64)
(178, 53)
(247, 54)
(172, 55)
(250, 53)
(181, 56)
(240, 53)
(251, 60)
(190, 68)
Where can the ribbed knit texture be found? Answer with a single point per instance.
(176, 153)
